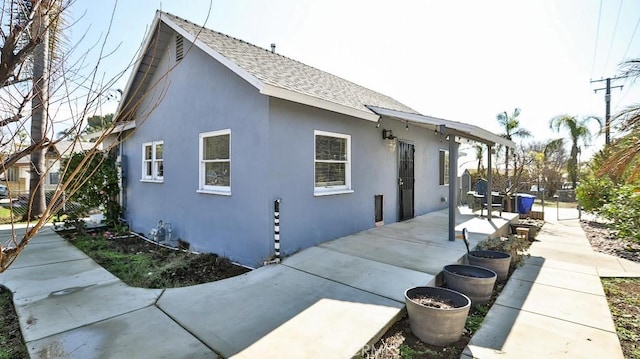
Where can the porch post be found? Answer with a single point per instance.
(489, 182)
(453, 185)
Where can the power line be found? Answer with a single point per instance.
(595, 47)
(613, 37)
(631, 41)
(624, 94)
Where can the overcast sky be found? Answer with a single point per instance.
(459, 60)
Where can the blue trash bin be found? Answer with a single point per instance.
(524, 202)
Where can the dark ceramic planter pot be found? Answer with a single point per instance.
(496, 261)
(437, 326)
(475, 282)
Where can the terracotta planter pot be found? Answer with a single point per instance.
(496, 261)
(475, 282)
(437, 326)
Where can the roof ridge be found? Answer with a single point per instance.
(226, 35)
(355, 95)
(274, 53)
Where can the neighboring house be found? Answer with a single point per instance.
(18, 175)
(230, 127)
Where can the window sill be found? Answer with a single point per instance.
(331, 193)
(151, 181)
(217, 193)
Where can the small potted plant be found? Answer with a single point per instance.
(497, 261)
(437, 315)
(475, 282)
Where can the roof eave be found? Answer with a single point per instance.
(466, 130)
(130, 125)
(271, 90)
(254, 81)
(304, 99)
(136, 69)
(263, 88)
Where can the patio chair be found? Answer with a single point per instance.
(496, 200)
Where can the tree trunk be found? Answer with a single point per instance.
(506, 166)
(573, 166)
(39, 112)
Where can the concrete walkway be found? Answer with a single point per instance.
(327, 301)
(554, 306)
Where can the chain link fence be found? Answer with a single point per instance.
(17, 205)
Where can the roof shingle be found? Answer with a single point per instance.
(280, 71)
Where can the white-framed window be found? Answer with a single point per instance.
(13, 174)
(444, 167)
(54, 178)
(153, 161)
(332, 163)
(54, 175)
(215, 162)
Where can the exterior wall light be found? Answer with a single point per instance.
(388, 135)
(390, 139)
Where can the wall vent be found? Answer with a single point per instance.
(179, 47)
(378, 205)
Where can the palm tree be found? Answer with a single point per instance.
(578, 132)
(46, 31)
(624, 153)
(39, 111)
(512, 129)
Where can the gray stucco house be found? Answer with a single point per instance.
(230, 127)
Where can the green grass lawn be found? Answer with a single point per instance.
(18, 213)
(5, 215)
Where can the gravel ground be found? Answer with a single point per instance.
(603, 240)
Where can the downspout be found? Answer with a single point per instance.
(121, 182)
(123, 177)
(453, 185)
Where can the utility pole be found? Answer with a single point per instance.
(607, 101)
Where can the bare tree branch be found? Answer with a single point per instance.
(18, 115)
(91, 89)
(15, 157)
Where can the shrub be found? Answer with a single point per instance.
(593, 193)
(624, 211)
(514, 245)
(96, 187)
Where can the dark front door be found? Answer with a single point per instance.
(406, 152)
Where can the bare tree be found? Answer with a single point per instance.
(521, 163)
(78, 81)
(547, 161)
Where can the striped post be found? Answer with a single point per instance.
(276, 228)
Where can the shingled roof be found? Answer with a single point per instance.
(277, 75)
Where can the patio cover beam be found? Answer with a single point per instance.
(459, 129)
(452, 129)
